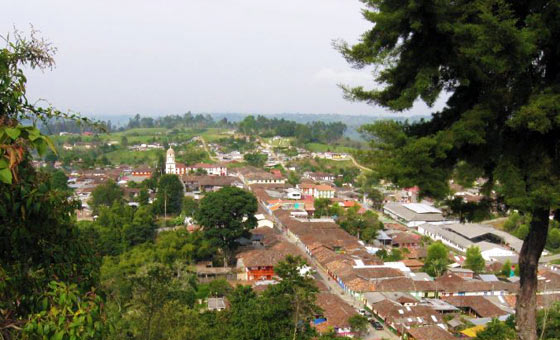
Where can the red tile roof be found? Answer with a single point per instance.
(430, 332)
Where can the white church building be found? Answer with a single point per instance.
(172, 167)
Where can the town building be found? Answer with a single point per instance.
(257, 262)
(210, 169)
(335, 315)
(317, 190)
(172, 167)
(209, 183)
(320, 176)
(217, 304)
(405, 240)
(142, 172)
(251, 176)
(413, 214)
(493, 243)
(293, 194)
(429, 332)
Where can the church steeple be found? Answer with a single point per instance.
(170, 162)
(170, 155)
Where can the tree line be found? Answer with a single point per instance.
(313, 132)
(189, 120)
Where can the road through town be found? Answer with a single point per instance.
(334, 288)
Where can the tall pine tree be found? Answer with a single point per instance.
(497, 60)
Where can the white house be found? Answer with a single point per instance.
(293, 194)
(172, 167)
(211, 169)
(317, 191)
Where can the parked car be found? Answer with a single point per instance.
(364, 312)
(377, 325)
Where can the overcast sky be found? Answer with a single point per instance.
(165, 57)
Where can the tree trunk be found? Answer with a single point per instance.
(226, 257)
(526, 307)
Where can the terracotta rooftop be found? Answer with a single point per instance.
(397, 284)
(397, 314)
(453, 283)
(335, 310)
(405, 237)
(430, 332)
(268, 256)
(210, 180)
(482, 307)
(378, 273)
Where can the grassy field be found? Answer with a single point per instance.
(336, 164)
(144, 131)
(319, 147)
(324, 165)
(233, 165)
(279, 143)
(133, 157)
(214, 134)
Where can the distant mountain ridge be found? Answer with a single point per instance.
(352, 121)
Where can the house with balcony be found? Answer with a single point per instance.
(317, 190)
(257, 264)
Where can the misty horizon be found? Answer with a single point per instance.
(248, 57)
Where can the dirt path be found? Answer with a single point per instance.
(359, 165)
(205, 146)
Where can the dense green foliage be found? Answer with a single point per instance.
(157, 292)
(518, 225)
(226, 215)
(293, 178)
(347, 176)
(114, 277)
(548, 321)
(497, 61)
(304, 133)
(175, 121)
(169, 196)
(437, 259)
(322, 207)
(236, 144)
(470, 211)
(365, 226)
(190, 206)
(43, 257)
(394, 255)
(474, 260)
(345, 169)
(67, 315)
(358, 324)
(548, 326)
(506, 268)
(105, 194)
(55, 125)
(496, 330)
(120, 227)
(59, 181)
(255, 159)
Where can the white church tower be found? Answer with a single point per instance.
(170, 162)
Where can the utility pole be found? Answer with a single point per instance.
(165, 205)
